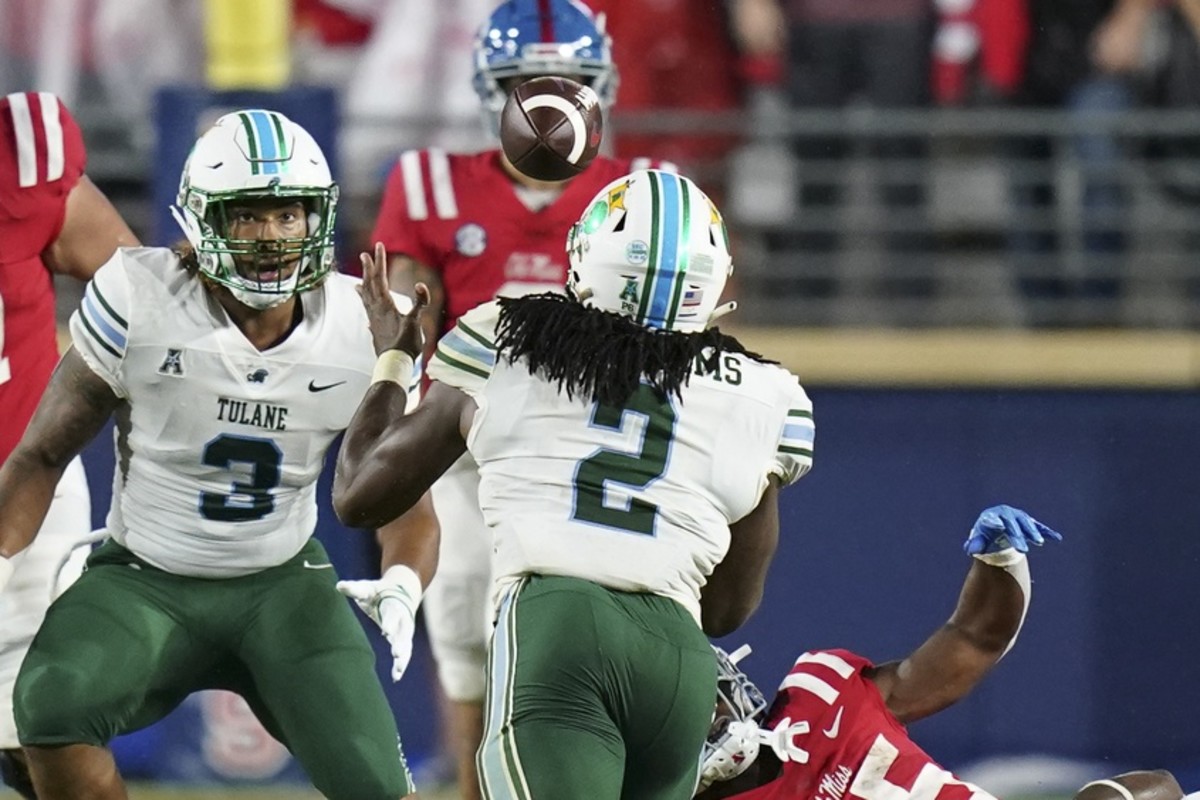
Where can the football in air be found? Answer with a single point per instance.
(550, 128)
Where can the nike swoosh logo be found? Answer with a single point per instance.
(313, 387)
(316, 566)
(832, 730)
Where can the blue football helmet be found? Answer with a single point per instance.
(529, 38)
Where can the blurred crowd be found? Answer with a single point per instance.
(741, 79)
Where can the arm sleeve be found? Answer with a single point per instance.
(466, 355)
(395, 226)
(100, 326)
(794, 452)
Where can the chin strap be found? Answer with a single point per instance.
(722, 310)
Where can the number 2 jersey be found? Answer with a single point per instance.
(840, 742)
(219, 446)
(637, 498)
(41, 160)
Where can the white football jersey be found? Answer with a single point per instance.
(219, 446)
(637, 498)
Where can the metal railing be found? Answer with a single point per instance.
(982, 218)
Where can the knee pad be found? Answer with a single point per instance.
(463, 674)
(53, 705)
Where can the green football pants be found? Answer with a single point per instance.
(128, 642)
(594, 694)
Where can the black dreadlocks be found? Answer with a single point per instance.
(601, 355)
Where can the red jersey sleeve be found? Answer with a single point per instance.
(404, 210)
(42, 158)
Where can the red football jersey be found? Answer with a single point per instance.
(41, 159)
(460, 216)
(840, 741)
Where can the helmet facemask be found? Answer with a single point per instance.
(733, 739)
(231, 169)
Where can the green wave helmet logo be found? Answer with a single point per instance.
(595, 216)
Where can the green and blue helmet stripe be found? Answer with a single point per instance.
(268, 148)
(668, 256)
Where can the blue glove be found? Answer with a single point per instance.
(1001, 527)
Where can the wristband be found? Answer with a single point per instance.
(6, 570)
(402, 583)
(395, 366)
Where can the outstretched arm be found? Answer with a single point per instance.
(409, 554)
(74, 408)
(389, 459)
(983, 626)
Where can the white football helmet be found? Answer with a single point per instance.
(256, 154)
(652, 247)
(734, 738)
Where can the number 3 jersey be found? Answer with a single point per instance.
(637, 498)
(219, 446)
(838, 741)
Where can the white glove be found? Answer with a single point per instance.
(392, 603)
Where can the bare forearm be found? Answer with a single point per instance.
(389, 459)
(73, 409)
(367, 489)
(383, 404)
(412, 540)
(26, 489)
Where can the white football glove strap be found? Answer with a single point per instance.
(392, 603)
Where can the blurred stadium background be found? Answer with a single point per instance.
(974, 346)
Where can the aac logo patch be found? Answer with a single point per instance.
(630, 295)
(173, 363)
(470, 240)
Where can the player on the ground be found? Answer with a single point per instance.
(838, 720)
(230, 370)
(630, 457)
(53, 220)
(471, 228)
